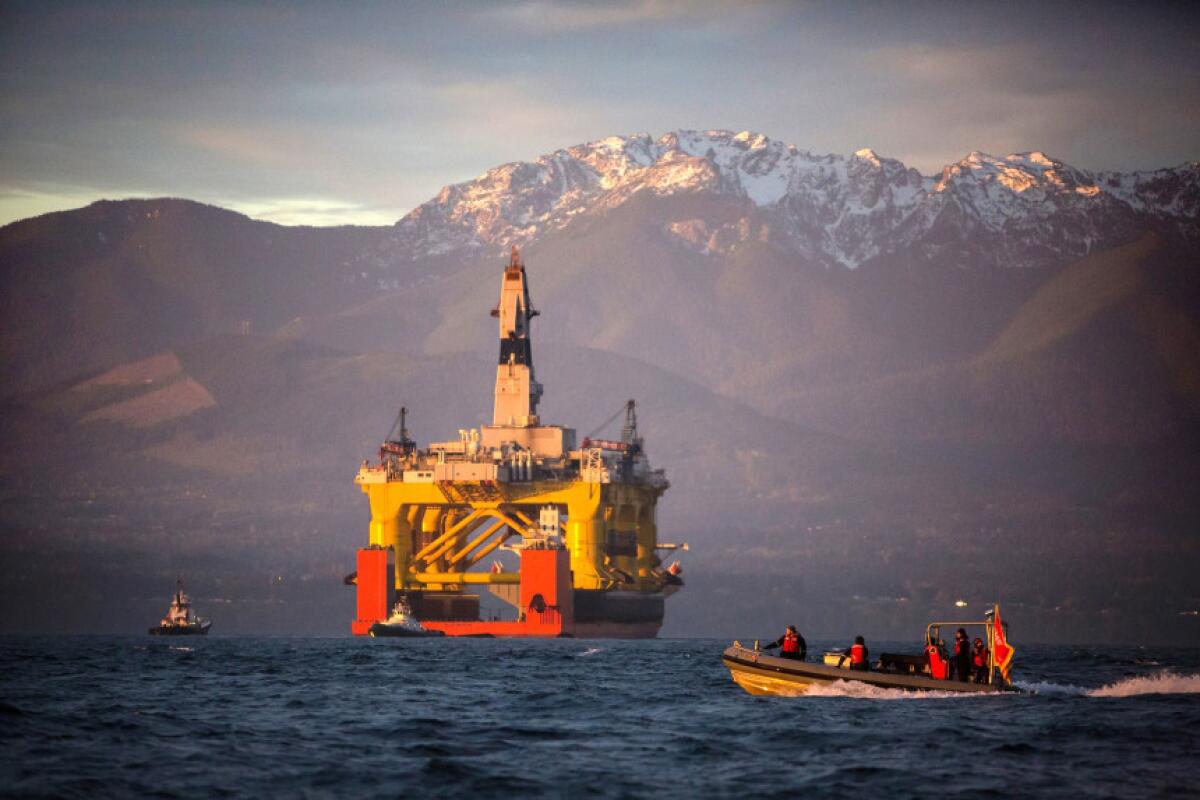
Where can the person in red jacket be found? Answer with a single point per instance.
(860, 658)
(962, 656)
(791, 644)
(979, 661)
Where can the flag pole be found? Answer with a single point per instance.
(991, 632)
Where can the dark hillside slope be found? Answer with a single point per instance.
(1107, 351)
(86, 289)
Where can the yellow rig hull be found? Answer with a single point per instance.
(438, 532)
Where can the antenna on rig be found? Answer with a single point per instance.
(629, 433)
(397, 442)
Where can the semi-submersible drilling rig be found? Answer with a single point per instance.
(585, 515)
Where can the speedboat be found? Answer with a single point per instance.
(402, 623)
(761, 673)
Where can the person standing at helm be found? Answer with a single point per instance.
(791, 644)
(860, 659)
(962, 656)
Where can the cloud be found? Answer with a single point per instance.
(244, 144)
(21, 201)
(316, 211)
(940, 102)
(560, 17)
(385, 104)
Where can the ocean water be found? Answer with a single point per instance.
(115, 716)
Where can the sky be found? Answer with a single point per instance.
(355, 113)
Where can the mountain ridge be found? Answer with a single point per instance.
(840, 210)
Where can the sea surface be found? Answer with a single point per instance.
(285, 717)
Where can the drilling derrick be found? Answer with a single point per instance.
(517, 391)
(581, 518)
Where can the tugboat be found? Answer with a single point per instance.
(402, 623)
(180, 621)
(763, 674)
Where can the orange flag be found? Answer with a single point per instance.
(1002, 652)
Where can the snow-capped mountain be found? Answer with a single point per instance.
(1021, 210)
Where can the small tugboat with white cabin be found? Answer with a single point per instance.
(402, 623)
(180, 620)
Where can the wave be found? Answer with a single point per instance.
(1165, 682)
(1051, 689)
(591, 651)
(182, 649)
(868, 692)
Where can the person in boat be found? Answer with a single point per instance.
(979, 661)
(791, 644)
(860, 658)
(962, 656)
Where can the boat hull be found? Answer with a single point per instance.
(762, 674)
(383, 630)
(534, 629)
(548, 605)
(181, 630)
(595, 615)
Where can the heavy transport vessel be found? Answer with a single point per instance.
(581, 516)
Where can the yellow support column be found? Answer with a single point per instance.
(402, 546)
(431, 523)
(390, 528)
(448, 523)
(585, 536)
(626, 524)
(380, 531)
(647, 540)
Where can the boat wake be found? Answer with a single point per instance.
(1165, 682)
(868, 692)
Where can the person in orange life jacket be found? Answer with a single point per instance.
(962, 656)
(860, 658)
(791, 644)
(979, 661)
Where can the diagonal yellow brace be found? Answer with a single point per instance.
(448, 535)
(521, 515)
(478, 540)
(528, 520)
(517, 527)
(492, 545)
(459, 533)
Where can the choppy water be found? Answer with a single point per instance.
(86, 716)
